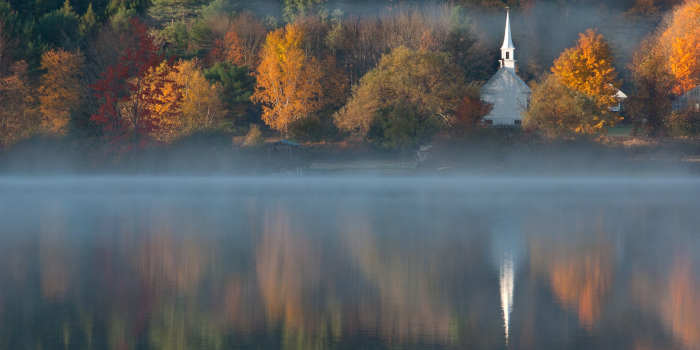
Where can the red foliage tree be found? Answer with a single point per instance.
(130, 88)
(469, 113)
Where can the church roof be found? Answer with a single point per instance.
(507, 38)
(505, 79)
(508, 95)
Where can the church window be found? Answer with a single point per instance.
(488, 121)
(517, 122)
(507, 55)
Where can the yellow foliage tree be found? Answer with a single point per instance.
(588, 69)
(681, 43)
(653, 83)
(558, 111)
(60, 90)
(17, 106)
(429, 82)
(288, 80)
(202, 107)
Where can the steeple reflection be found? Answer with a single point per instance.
(506, 283)
(506, 245)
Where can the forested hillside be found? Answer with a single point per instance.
(123, 75)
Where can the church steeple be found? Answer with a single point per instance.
(508, 49)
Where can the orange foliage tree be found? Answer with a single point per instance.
(234, 49)
(60, 91)
(681, 43)
(228, 49)
(288, 80)
(588, 69)
(242, 41)
(163, 99)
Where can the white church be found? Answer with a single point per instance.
(508, 94)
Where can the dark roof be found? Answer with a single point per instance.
(287, 143)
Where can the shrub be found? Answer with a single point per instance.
(313, 129)
(254, 136)
(683, 124)
(401, 127)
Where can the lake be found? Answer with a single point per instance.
(349, 263)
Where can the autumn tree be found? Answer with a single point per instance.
(588, 69)
(426, 81)
(241, 43)
(470, 111)
(558, 111)
(60, 90)
(576, 98)
(680, 41)
(160, 96)
(665, 66)
(18, 116)
(130, 89)
(233, 48)
(650, 103)
(202, 107)
(288, 80)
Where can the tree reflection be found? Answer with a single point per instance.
(270, 276)
(287, 271)
(56, 267)
(410, 303)
(169, 263)
(580, 275)
(681, 305)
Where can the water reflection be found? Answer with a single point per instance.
(580, 275)
(308, 268)
(506, 245)
(506, 283)
(680, 307)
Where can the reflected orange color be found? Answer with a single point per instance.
(165, 262)
(644, 345)
(233, 299)
(54, 274)
(681, 306)
(409, 307)
(286, 268)
(54, 254)
(579, 277)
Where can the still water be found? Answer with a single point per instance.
(349, 263)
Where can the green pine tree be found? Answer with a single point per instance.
(88, 21)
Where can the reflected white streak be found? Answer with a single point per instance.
(506, 282)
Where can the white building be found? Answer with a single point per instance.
(620, 98)
(508, 94)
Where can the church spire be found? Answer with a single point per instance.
(508, 49)
(507, 39)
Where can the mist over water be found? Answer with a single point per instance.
(349, 262)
